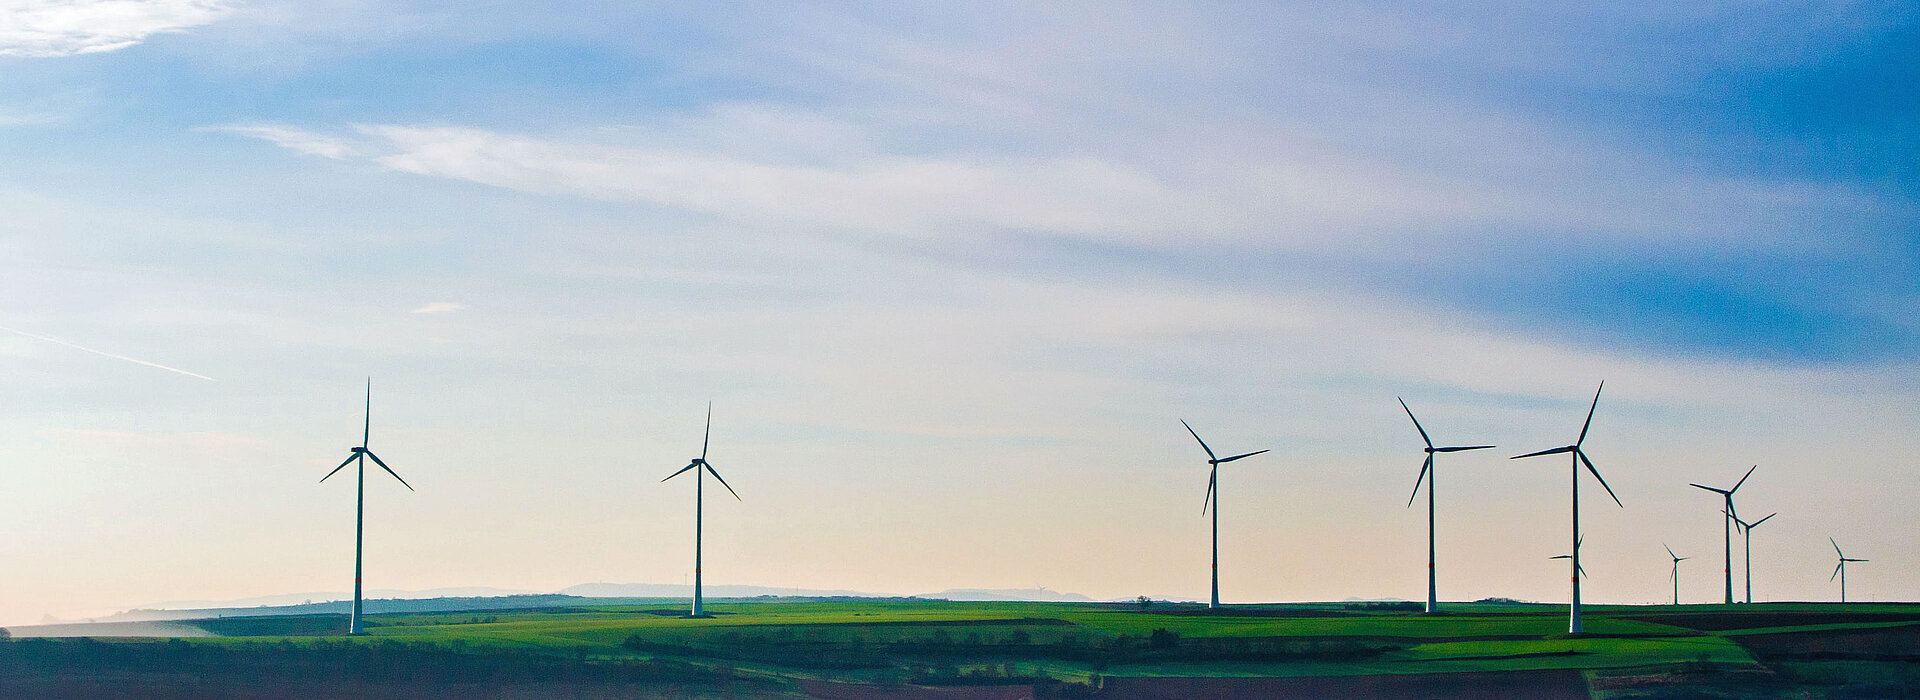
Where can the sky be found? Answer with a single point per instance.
(951, 276)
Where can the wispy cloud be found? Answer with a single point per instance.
(67, 27)
(439, 307)
(1278, 197)
(104, 353)
(293, 139)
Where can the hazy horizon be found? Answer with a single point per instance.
(951, 276)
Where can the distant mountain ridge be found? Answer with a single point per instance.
(681, 590)
(1042, 595)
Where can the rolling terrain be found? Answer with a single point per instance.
(906, 648)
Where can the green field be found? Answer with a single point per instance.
(778, 647)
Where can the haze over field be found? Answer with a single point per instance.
(951, 276)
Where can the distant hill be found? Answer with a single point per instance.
(1007, 594)
(374, 606)
(462, 599)
(328, 596)
(676, 590)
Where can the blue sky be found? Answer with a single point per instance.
(962, 266)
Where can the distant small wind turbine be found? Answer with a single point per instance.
(1579, 458)
(1213, 499)
(1582, 571)
(1841, 569)
(1427, 475)
(1746, 530)
(1727, 526)
(1676, 573)
(360, 455)
(699, 464)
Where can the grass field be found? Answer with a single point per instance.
(808, 648)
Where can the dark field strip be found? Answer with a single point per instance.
(1254, 612)
(1558, 684)
(1518, 685)
(1876, 644)
(83, 668)
(1721, 621)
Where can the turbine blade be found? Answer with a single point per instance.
(1670, 553)
(1751, 525)
(1196, 436)
(1424, 466)
(1416, 421)
(1249, 454)
(1209, 499)
(1562, 556)
(1743, 479)
(1856, 560)
(1554, 451)
(1836, 569)
(1836, 548)
(1590, 409)
(1683, 558)
(709, 434)
(343, 465)
(1581, 569)
(1461, 449)
(383, 465)
(1596, 476)
(366, 428)
(1710, 488)
(723, 482)
(683, 470)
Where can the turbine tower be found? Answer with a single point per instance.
(1727, 526)
(1579, 458)
(1213, 499)
(1746, 531)
(1841, 569)
(1427, 475)
(360, 455)
(699, 464)
(1676, 573)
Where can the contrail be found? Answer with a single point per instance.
(104, 353)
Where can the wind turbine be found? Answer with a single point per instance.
(699, 464)
(1213, 498)
(1579, 458)
(1746, 530)
(1841, 569)
(1577, 568)
(1727, 526)
(1676, 572)
(360, 455)
(1426, 474)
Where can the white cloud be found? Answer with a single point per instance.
(1271, 196)
(68, 27)
(439, 307)
(1306, 199)
(292, 139)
